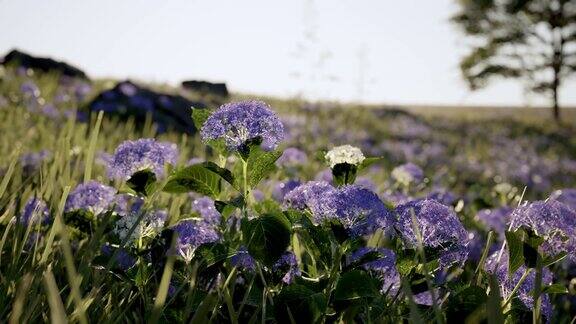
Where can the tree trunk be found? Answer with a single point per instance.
(557, 62)
(556, 106)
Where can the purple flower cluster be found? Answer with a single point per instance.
(91, 196)
(566, 196)
(192, 234)
(308, 196)
(35, 211)
(287, 266)
(495, 219)
(553, 221)
(292, 157)
(238, 122)
(358, 209)
(442, 196)
(30, 89)
(497, 264)
(143, 154)
(282, 188)
(242, 259)
(365, 182)
(439, 228)
(124, 260)
(204, 206)
(384, 267)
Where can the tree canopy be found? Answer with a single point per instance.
(532, 40)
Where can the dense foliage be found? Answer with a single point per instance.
(286, 214)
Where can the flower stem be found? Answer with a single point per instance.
(245, 187)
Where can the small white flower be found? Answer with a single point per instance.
(344, 154)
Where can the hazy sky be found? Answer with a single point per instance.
(371, 50)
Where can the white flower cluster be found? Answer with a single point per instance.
(344, 154)
(149, 225)
(402, 176)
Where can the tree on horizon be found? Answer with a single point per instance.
(530, 40)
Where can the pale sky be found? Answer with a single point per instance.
(377, 51)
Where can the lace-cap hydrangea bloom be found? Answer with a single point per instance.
(344, 154)
(291, 158)
(287, 266)
(192, 234)
(383, 267)
(566, 196)
(35, 211)
(308, 196)
(359, 210)
(408, 173)
(91, 196)
(439, 228)
(242, 259)
(133, 156)
(238, 122)
(554, 221)
(499, 267)
(205, 207)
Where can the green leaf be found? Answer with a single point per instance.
(405, 265)
(464, 303)
(494, 302)
(369, 161)
(515, 251)
(300, 303)
(555, 289)
(199, 116)
(226, 208)
(251, 145)
(195, 178)
(548, 261)
(531, 244)
(368, 257)
(211, 254)
(224, 173)
(344, 173)
(354, 285)
(267, 237)
(142, 182)
(260, 164)
(80, 219)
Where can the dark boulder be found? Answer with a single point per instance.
(168, 112)
(204, 87)
(43, 64)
